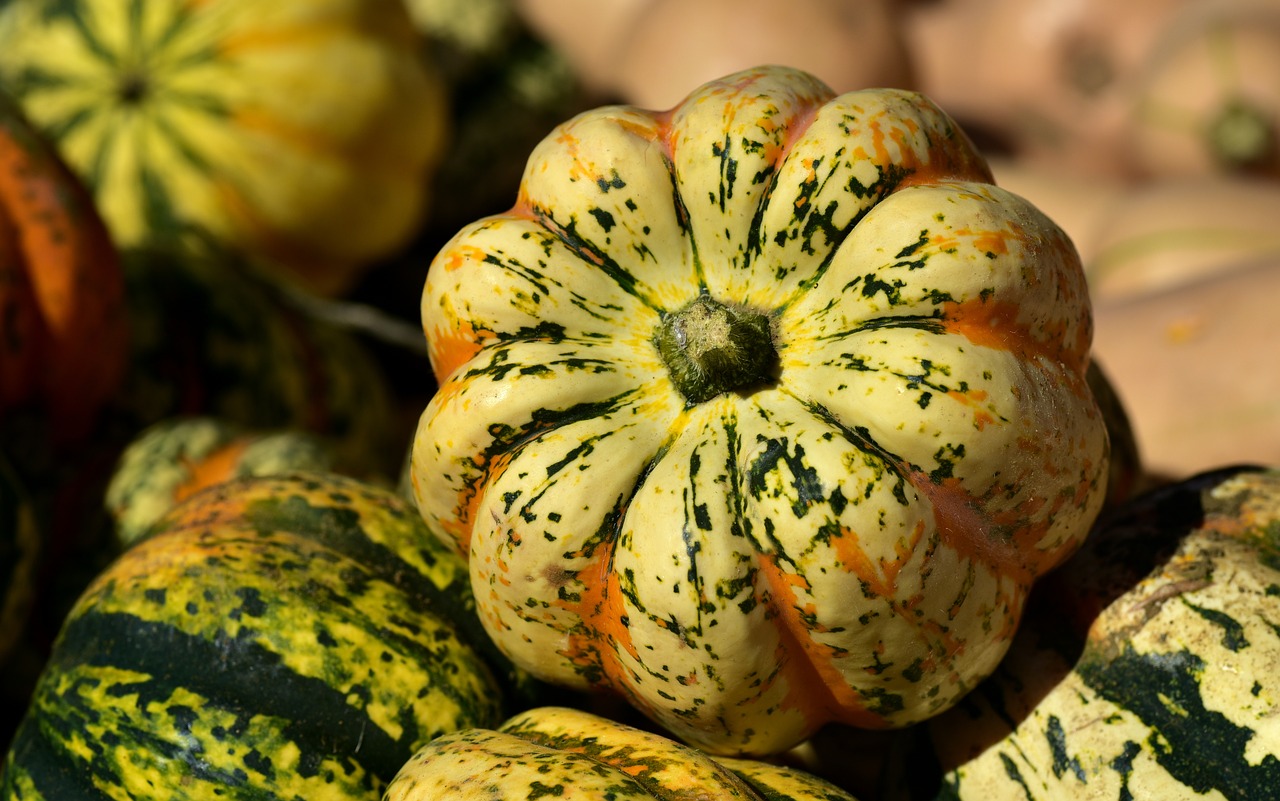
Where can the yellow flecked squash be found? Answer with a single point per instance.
(303, 131)
(558, 752)
(764, 412)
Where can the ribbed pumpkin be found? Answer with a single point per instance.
(64, 337)
(559, 752)
(297, 636)
(176, 458)
(304, 131)
(764, 412)
(1171, 693)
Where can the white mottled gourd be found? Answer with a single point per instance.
(764, 412)
(1165, 687)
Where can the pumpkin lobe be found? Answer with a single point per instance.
(711, 348)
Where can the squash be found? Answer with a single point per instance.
(567, 753)
(64, 338)
(1170, 231)
(211, 338)
(1054, 81)
(294, 636)
(763, 412)
(177, 457)
(1193, 366)
(1165, 688)
(652, 53)
(1208, 101)
(302, 132)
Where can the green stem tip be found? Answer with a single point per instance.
(711, 348)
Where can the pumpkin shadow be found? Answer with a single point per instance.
(1126, 545)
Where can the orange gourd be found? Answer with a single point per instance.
(63, 332)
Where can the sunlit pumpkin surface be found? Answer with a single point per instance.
(848, 536)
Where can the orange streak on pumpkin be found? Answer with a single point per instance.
(215, 468)
(453, 347)
(995, 324)
(599, 606)
(815, 687)
(462, 521)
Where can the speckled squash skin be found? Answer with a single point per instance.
(1164, 687)
(243, 117)
(570, 754)
(847, 534)
(175, 458)
(298, 636)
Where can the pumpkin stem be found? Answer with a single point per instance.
(711, 348)
(1241, 136)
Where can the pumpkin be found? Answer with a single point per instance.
(300, 131)
(176, 458)
(1196, 398)
(1208, 102)
(1170, 231)
(1166, 687)
(294, 636)
(213, 339)
(764, 412)
(64, 340)
(568, 753)
(651, 53)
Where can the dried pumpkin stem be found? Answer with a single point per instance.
(711, 348)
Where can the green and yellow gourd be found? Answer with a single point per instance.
(300, 131)
(1164, 687)
(566, 753)
(298, 636)
(763, 412)
(176, 458)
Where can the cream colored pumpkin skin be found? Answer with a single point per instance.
(852, 539)
(301, 130)
(1173, 693)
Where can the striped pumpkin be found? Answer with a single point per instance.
(298, 636)
(566, 753)
(764, 412)
(176, 458)
(302, 131)
(1169, 691)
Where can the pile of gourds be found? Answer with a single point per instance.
(412, 399)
